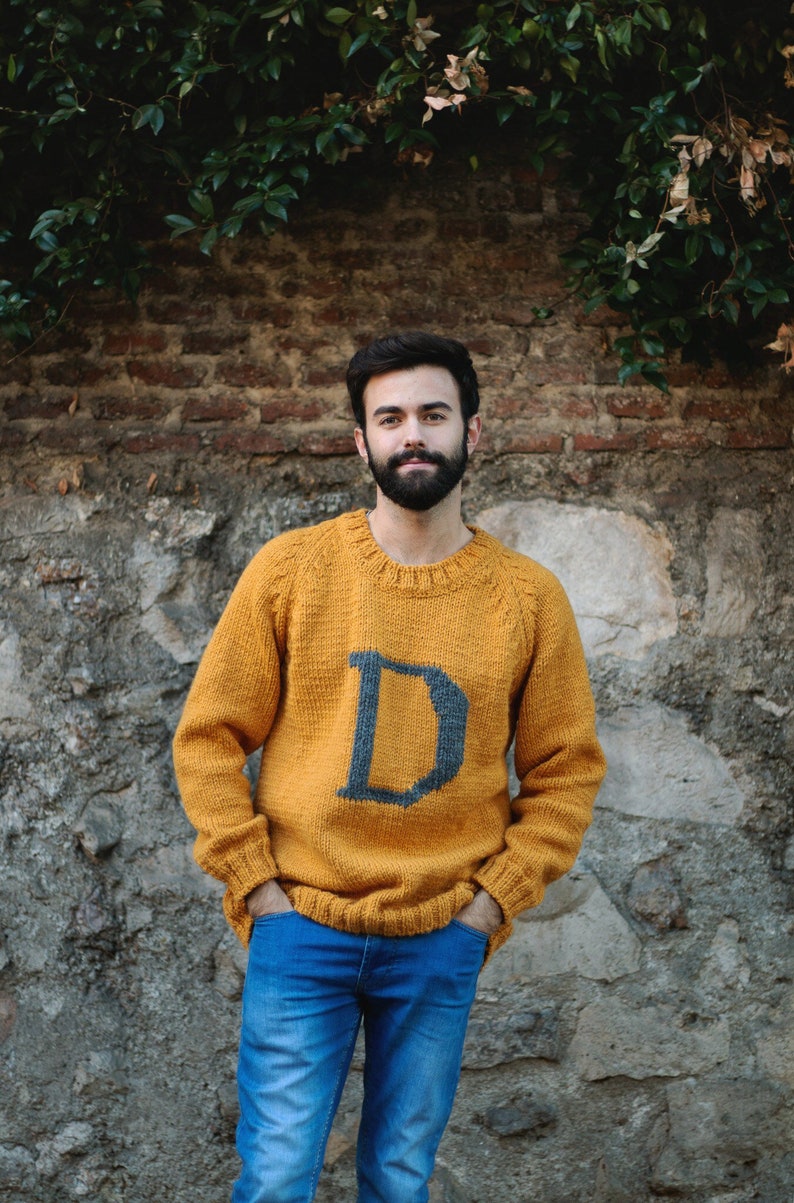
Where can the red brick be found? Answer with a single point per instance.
(262, 314)
(253, 442)
(532, 444)
(251, 375)
(212, 342)
(142, 408)
(508, 261)
(544, 372)
(133, 342)
(73, 373)
(277, 411)
(679, 375)
(307, 345)
(635, 405)
(507, 407)
(36, 406)
(69, 338)
(720, 377)
(92, 309)
(516, 312)
(577, 407)
(605, 442)
(15, 370)
(325, 377)
(717, 409)
(214, 409)
(141, 444)
(11, 439)
(176, 313)
(168, 375)
(82, 438)
(321, 444)
(483, 346)
(334, 316)
(757, 440)
(599, 318)
(677, 439)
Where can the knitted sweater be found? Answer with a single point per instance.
(386, 697)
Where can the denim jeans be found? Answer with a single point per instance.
(307, 989)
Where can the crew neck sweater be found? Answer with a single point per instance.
(385, 698)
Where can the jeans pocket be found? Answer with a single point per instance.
(481, 936)
(272, 915)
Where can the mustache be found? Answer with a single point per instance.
(421, 457)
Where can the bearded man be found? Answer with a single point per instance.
(384, 662)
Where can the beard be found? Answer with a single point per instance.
(421, 489)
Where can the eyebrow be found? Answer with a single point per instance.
(398, 409)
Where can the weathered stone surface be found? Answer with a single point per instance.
(714, 1133)
(775, 1043)
(654, 896)
(229, 965)
(445, 1188)
(521, 1117)
(173, 869)
(71, 1140)
(659, 770)
(176, 527)
(8, 1014)
(14, 699)
(100, 1075)
(613, 566)
(734, 571)
(497, 1036)
(576, 929)
(614, 1039)
(99, 828)
(726, 967)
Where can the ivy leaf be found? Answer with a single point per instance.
(179, 223)
(339, 16)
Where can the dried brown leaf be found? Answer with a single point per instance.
(679, 189)
(701, 150)
(784, 343)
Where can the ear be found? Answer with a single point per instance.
(473, 431)
(358, 435)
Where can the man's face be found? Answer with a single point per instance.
(416, 442)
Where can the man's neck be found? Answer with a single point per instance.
(419, 536)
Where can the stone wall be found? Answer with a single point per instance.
(633, 1039)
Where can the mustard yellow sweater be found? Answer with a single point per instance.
(386, 697)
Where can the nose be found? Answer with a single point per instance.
(413, 435)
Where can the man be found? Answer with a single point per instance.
(384, 660)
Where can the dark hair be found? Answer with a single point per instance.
(398, 352)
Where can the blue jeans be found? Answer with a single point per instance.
(307, 989)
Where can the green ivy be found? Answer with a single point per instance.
(666, 118)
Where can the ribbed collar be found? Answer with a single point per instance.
(455, 572)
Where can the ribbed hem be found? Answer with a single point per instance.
(514, 891)
(364, 916)
(422, 580)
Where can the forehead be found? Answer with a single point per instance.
(412, 387)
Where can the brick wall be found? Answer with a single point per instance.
(244, 356)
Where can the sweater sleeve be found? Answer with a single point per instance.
(229, 711)
(559, 764)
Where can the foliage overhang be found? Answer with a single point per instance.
(669, 119)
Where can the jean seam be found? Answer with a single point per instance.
(341, 1074)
